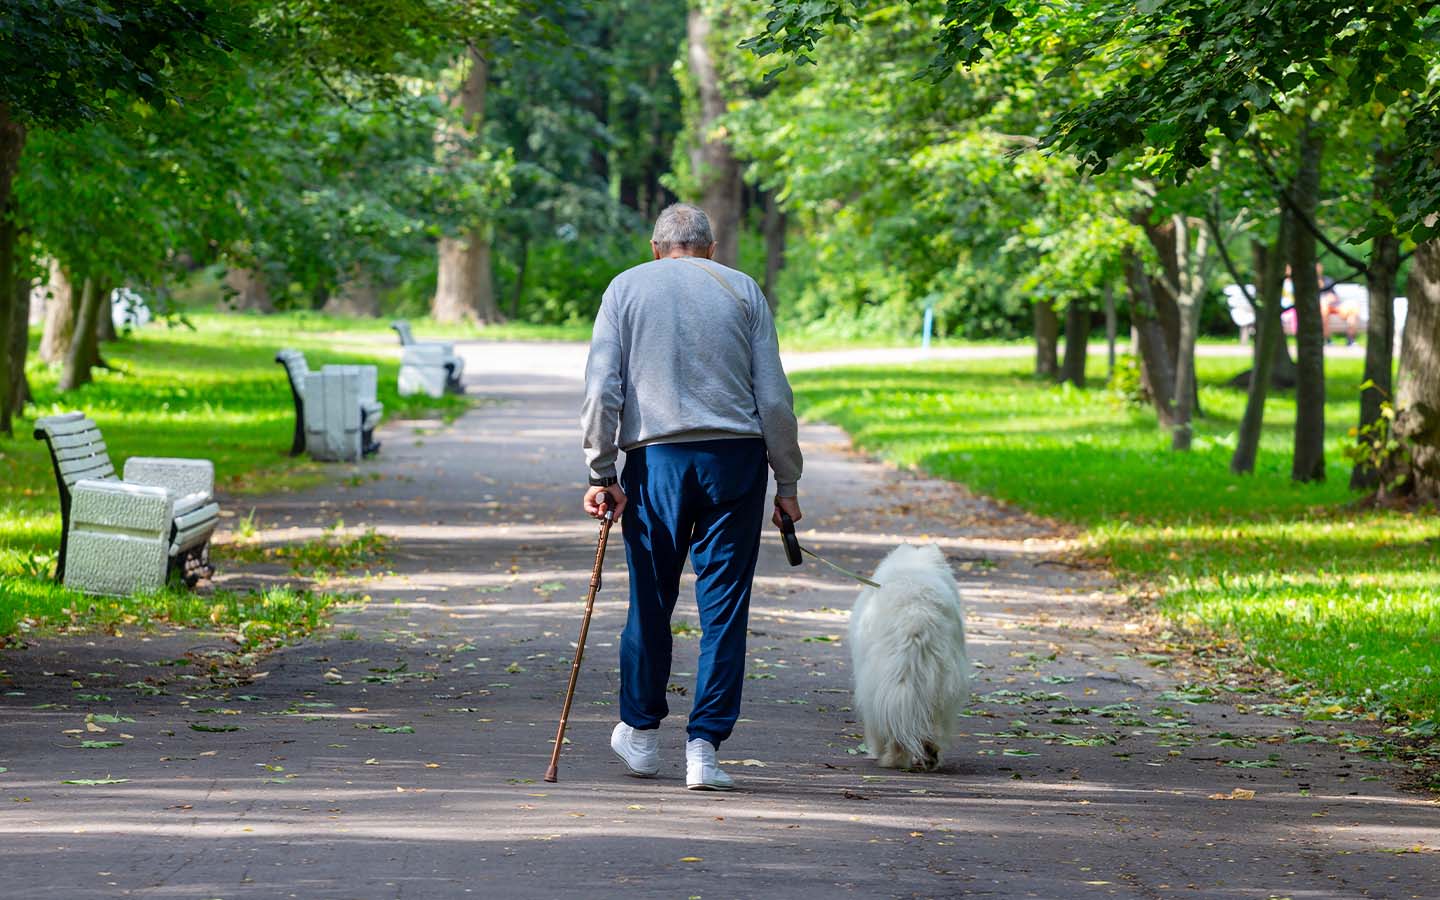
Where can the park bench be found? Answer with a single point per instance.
(427, 367)
(122, 536)
(1354, 296)
(336, 410)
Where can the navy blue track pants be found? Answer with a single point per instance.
(704, 499)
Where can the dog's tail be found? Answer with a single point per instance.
(907, 719)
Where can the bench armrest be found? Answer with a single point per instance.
(117, 505)
(366, 379)
(446, 347)
(178, 476)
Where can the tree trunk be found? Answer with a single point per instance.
(465, 286)
(1162, 304)
(1281, 366)
(18, 391)
(1047, 337)
(717, 173)
(775, 225)
(518, 291)
(1269, 334)
(105, 324)
(60, 311)
(1191, 284)
(14, 306)
(1380, 277)
(10, 298)
(1283, 372)
(1157, 372)
(1309, 460)
(1415, 471)
(248, 291)
(1110, 326)
(82, 353)
(1077, 342)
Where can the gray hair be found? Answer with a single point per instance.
(682, 225)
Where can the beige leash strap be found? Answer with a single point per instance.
(713, 274)
(841, 569)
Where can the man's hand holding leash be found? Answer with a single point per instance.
(790, 506)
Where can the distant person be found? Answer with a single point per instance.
(684, 376)
(1331, 304)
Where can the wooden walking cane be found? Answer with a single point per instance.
(551, 774)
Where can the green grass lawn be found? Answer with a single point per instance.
(213, 392)
(1337, 597)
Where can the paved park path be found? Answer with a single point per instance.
(399, 754)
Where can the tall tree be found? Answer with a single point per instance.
(70, 63)
(1269, 268)
(712, 160)
(1414, 468)
(465, 287)
(1308, 463)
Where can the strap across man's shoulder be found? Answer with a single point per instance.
(723, 283)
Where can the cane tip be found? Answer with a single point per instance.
(551, 775)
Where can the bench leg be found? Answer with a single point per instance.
(192, 566)
(452, 381)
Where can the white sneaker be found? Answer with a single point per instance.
(638, 750)
(702, 773)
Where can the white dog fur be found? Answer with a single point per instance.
(907, 650)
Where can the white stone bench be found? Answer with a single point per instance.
(423, 364)
(123, 537)
(336, 410)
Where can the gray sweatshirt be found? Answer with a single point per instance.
(684, 349)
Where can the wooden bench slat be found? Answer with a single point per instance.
(81, 469)
(79, 425)
(77, 439)
(82, 452)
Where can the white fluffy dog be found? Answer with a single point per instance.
(907, 648)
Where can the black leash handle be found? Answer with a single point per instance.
(788, 538)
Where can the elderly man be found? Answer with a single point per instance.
(684, 375)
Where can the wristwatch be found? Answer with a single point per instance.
(602, 482)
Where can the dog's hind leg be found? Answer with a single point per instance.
(931, 760)
(893, 756)
(874, 738)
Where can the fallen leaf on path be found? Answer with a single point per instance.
(1237, 794)
(692, 859)
(100, 745)
(743, 762)
(94, 781)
